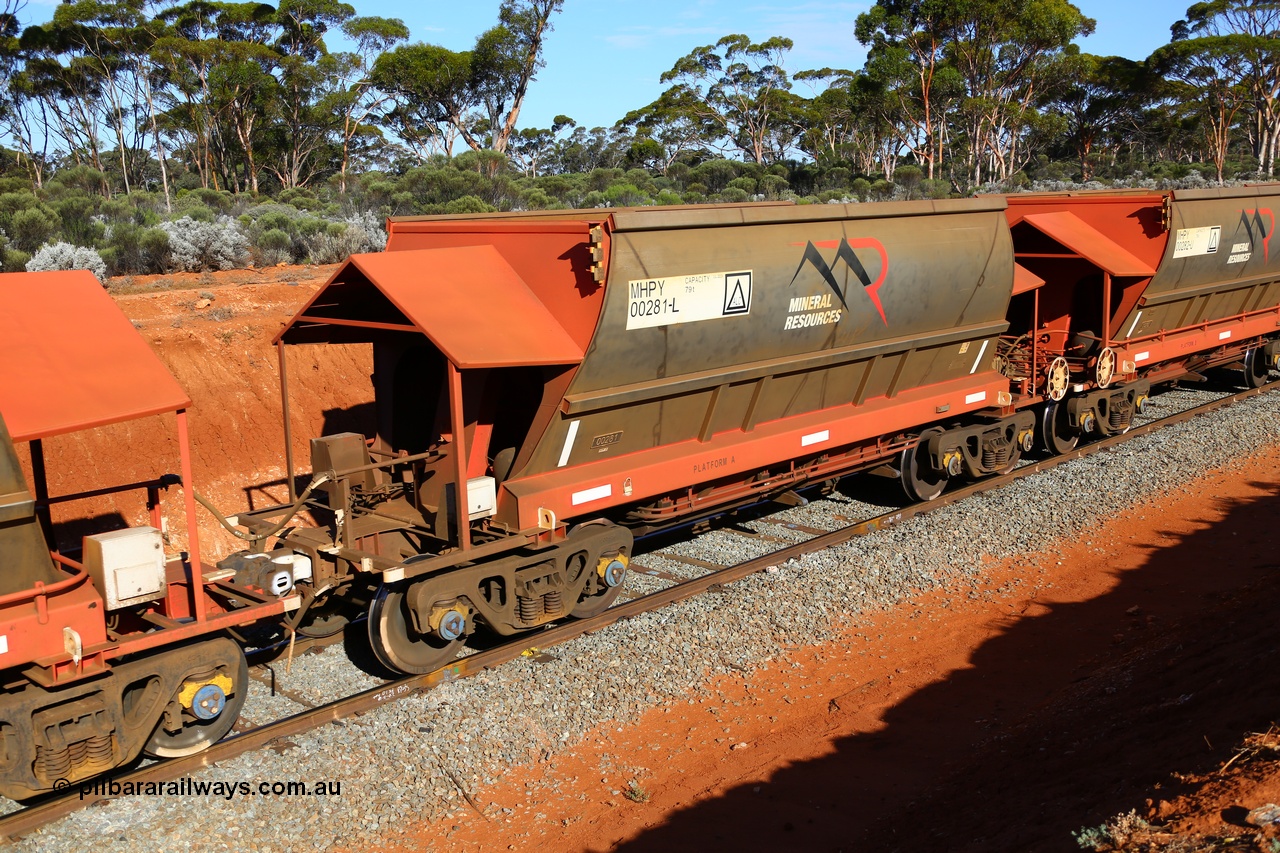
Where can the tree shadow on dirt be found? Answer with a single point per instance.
(1073, 713)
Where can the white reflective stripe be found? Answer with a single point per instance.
(1222, 336)
(1133, 326)
(595, 494)
(815, 437)
(568, 444)
(978, 360)
(4, 643)
(975, 398)
(1142, 356)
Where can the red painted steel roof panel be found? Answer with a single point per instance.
(467, 299)
(1025, 280)
(1083, 239)
(71, 360)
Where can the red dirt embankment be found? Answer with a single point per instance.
(214, 331)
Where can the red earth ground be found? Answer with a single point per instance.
(1124, 672)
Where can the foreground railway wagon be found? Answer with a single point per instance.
(110, 646)
(1122, 290)
(587, 374)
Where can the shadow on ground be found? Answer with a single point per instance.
(1063, 719)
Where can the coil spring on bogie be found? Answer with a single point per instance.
(530, 608)
(53, 763)
(78, 752)
(995, 454)
(99, 749)
(1120, 416)
(553, 603)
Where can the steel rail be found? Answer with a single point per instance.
(32, 817)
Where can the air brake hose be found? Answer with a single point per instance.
(318, 481)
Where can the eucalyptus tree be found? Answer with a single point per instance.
(1243, 36)
(671, 128)
(1007, 54)
(20, 112)
(217, 62)
(908, 61)
(480, 92)
(740, 88)
(351, 95)
(857, 119)
(1102, 100)
(305, 72)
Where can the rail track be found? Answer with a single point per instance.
(54, 807)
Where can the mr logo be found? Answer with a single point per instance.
(1256, 226)
(845, 254)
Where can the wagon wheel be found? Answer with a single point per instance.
(325, 617)
(1056, 435)
(919, 480)
(1256, 371)
(397, 644)
(205, 705)
(598, 594)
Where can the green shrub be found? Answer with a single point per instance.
(75, 212)
(773, 186)
(31, 228)
(82, 178)
(467, 204)
(909, 178)
(219, 200)
(535, 198)
(273, 246)
(625, 195)
(301, 198)
(135, 249)
(191, 208)
(15, 260)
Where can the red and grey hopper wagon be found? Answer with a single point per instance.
(117, 646)
(1127, 289)
(586, 374)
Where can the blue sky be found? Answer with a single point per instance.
(605, 56)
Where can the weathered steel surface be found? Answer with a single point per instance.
(1217, 262)
(26, 556)
(717, 321)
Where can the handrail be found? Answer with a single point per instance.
(49, 589)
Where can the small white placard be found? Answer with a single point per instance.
(1197, 241)
(815, 437)
(588, 495)
(678, 299)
